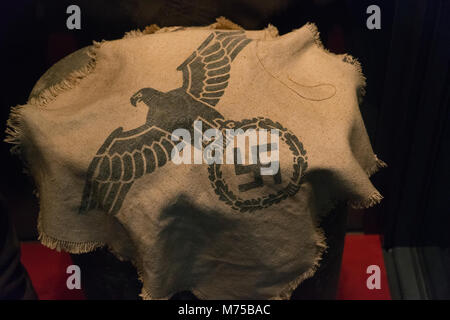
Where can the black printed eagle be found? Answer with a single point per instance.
(126, 156)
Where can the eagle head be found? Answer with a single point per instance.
(145, 95)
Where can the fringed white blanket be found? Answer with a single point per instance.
(100, 145)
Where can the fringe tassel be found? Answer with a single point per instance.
(14, 129)
(271, 31)
(370, 201)
(153, 28)
(316, 35)
(221, 23)
(145, 295)
(379, 164)
(68, 246)
(224, 24)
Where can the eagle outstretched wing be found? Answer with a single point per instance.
(123, 158)
(207, 70)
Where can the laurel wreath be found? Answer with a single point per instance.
(300, 165)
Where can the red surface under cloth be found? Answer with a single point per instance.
(47, 270)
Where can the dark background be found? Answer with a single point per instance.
(406, 109)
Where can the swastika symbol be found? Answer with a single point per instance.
(258, 181)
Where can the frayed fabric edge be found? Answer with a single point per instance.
(14, 135)
(14, 129)
(379, 164)
(68, 246)
(225, 24)
(284, 294)
(312, 27)
(375, 197)
(372, 200)
(68, 83)
(89, 246)
(321, 246)
(64, 245)
(145, 295)
(74, 78)
(221, 23)
(153, 28)
(14, 124)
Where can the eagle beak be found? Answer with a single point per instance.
(133, 100)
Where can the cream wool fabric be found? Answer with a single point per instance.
(191, 227)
